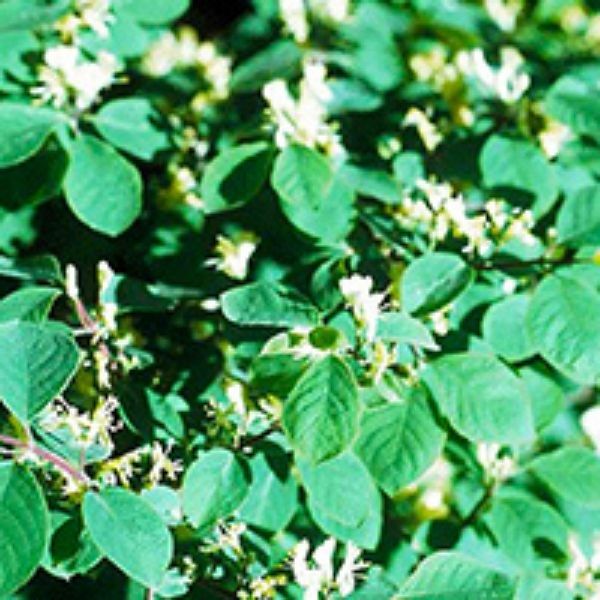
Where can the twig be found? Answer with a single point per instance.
(59, 462)
(255, 439)
(534, 262)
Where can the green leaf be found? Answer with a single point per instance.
(44, 267)
(519, 523)
(543, 589)
(131, 124)
(574, 102)
(482, 398)
(71, 550)
(399, 440)
(400, 328)
(213, 487)
(34, 180)
(372, 183)
(24, 526)
(276, 373)
(564, 323)
(38, 362)
(153, 12)
(28, 304)
(235, 176)
(267, 304)
(455, 576)
(343, 500)
(273, 496)
(313, 199)
(520, 172)
(280, 59)
(572, 473)
(130, 533)
(102, 188)
(547, 397)
(23, 131)
(432, 281)
(28, 14)
(578, 221)
(320, 416)
(505, 331)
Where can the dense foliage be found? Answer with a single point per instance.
(307, 310)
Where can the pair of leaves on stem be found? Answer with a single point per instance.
(311, 194)
(102, 188)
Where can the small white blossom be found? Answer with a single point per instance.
(590, 423)
(553, 137)
(504, 12)
(426, 128)
(294, 17)
(68, 77)
(365, 305)
(508, 81)
(498, 468)
(335, 11)
(234, 254)
(320, 575)
(303, 120)
(96, 14)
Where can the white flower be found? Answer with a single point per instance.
(507, 82)
(321, 577)
(336, 11)
(504, 12)
(303, 120)
(497, 467)
(293, 15)
(234, 254)
(590, 423)
(67, 75)
(346, 576)
(553, 137)
(96, 14)
(365, 305)
(427, 130)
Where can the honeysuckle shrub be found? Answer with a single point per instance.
(309, 309)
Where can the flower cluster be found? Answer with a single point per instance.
(303, 120)
(183, 50)
(441, 214)
(318, 575)
(68, 78)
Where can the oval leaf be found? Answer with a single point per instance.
(266, 304)
(572, 473)
(432, 281)
(213, 487)
(399, 441)
(343, 500)
(314, 200)
(455, 576)
(131, 125)
(321, 415)
(23, 131)
(102, 188)
(24, 527)
(38, 360)
(564, 322)
(130, 533)
(235, 176)
(482, 398)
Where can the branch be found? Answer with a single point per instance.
(534, 262)
(60, 463)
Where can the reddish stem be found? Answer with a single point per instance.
(59, 462)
